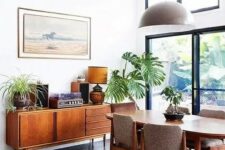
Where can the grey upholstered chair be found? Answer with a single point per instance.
(208, 144)
(184, 110)
(123, 135)
(218, 114)
(123, 107)
(163, 137)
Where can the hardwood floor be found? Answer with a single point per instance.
(88, 146)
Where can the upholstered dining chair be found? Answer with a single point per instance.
(127, 107)
(123, 134)
(163, 137)
(184, 110)
(123, 107)
(218, 114)
(210, 144)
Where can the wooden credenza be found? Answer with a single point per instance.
(30, 129)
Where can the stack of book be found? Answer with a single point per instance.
(64, 100)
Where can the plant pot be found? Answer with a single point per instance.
(21, 102)
(173, 117)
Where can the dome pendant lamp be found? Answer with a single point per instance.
(166, 13)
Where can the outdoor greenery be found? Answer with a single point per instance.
(212, 68)
(144, 70)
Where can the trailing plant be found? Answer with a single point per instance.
(173, 97)
(146, 71)
(19, 87)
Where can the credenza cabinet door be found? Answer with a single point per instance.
(35, 128)
(70, 123)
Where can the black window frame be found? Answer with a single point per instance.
(193, 11)
(195, 62)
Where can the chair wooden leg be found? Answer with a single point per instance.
(184, 141)
(142, 145)
(221, 147)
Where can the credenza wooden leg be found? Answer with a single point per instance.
(92, 143)
(104, 139)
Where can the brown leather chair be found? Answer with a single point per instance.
(123, 107)
(123, 134)
(210, 144)
(163, 137)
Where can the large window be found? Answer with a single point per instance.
(192, 5)
(175, 53)
(194, 63)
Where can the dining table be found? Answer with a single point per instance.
(196, 127)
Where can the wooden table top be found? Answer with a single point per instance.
(206, 127)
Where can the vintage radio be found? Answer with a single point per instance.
(54, 103)
(64, 100)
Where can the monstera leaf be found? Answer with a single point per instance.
(146, 70)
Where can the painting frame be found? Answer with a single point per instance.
(51, 35)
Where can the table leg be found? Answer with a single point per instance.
(197, 143)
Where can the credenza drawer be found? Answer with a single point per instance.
(95, 125)
(96, 118)
(98, 131)
(98, 111)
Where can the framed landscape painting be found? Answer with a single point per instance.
(44, 34)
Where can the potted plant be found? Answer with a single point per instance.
(18, 90)
(174, 98)
(145, 71)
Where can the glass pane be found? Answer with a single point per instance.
(212, 100)
(212, 70)
(152, 2)
(199, 4)
(212, 61)
(176, 54)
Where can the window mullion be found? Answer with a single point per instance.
(195, 73)
(148, 97)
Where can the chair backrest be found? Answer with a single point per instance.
(123, 107)
(162, 137)
(184, 110)
(218, 114)
(124, 130)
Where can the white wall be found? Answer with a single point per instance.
(113, 31)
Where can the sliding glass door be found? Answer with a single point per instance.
(194, 63)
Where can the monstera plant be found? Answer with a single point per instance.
(144, 71)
